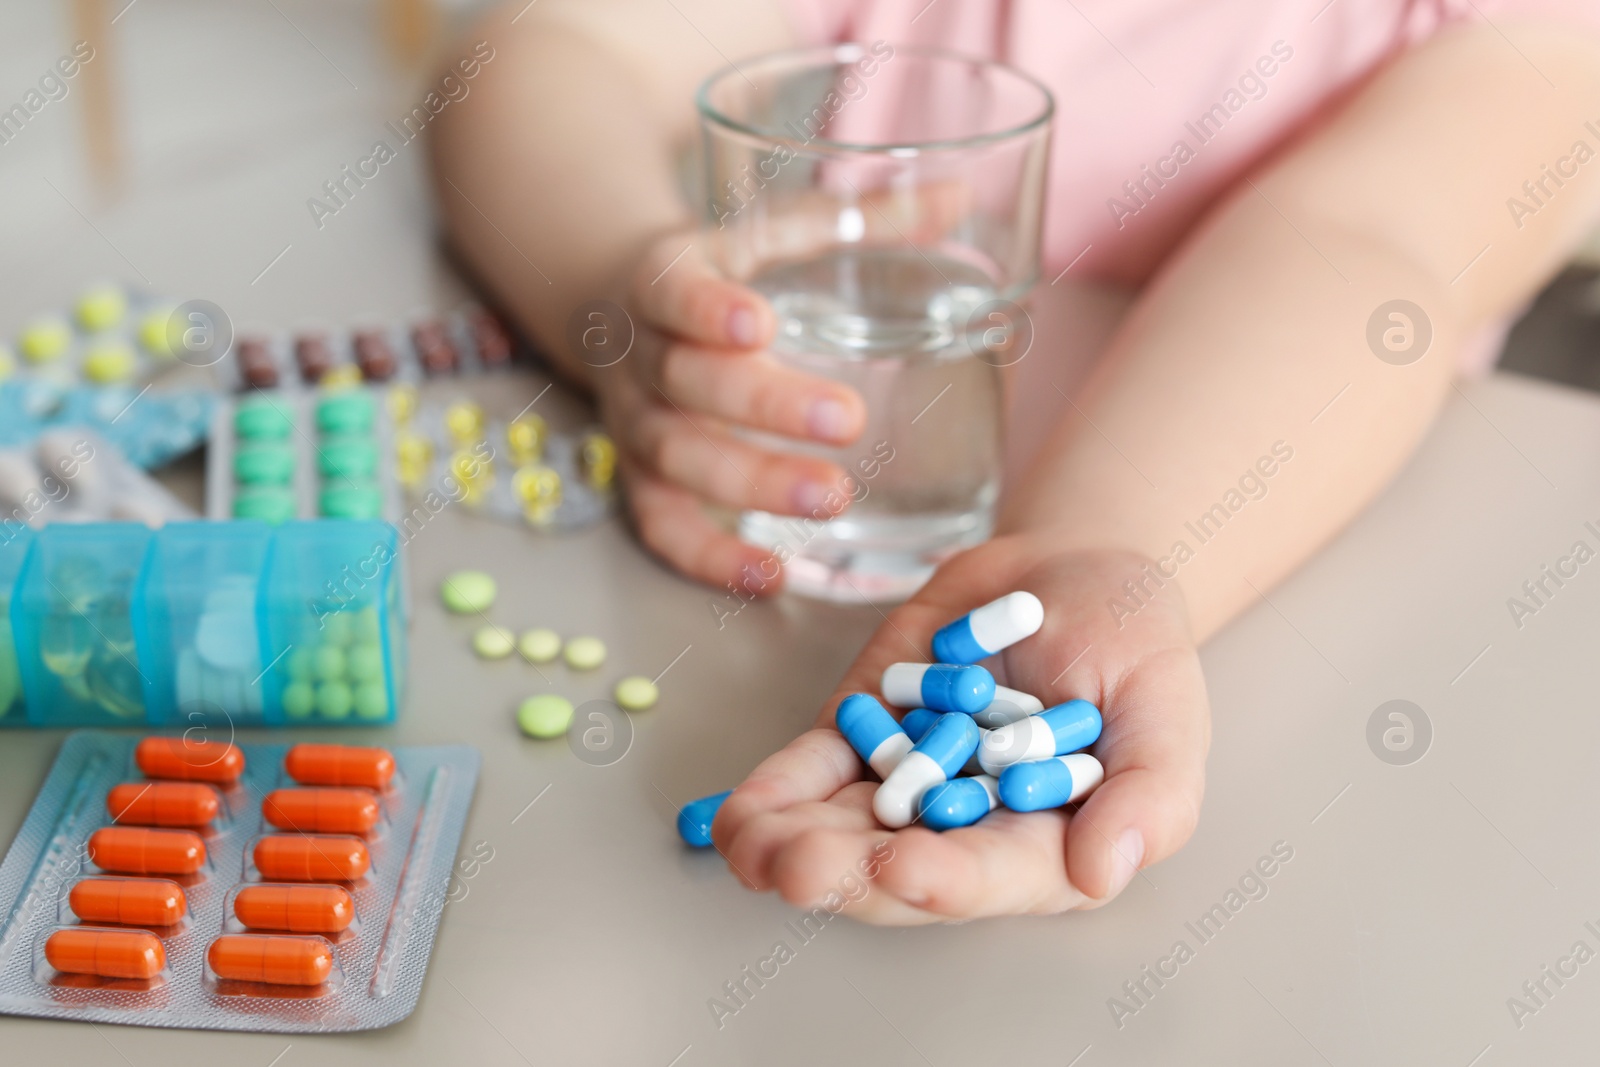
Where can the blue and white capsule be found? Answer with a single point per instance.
(917, 722)
(1064, 728)
(938, 686)
(959, 802)
(872, 732)
(935, 760)
(984, 631)
(1007, 707)
(694, 821)
(1050, 783)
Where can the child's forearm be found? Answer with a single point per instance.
(557, 170)
(1240, 417)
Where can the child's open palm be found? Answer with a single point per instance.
(804, 816)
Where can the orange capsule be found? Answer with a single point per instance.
(304, 858)
(187, 760)
(299, 909)
(321, 811)
(107, 953)
(279, 960)
(135, 901)
(162, 804)
(135, 850)
(340, 765)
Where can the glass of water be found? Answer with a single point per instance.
(886, 201)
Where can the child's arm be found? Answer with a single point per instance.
(1261, 319)
(1252, 329)
(557, 181)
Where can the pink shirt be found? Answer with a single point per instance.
(1230, 79)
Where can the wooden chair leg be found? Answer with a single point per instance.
(102, 135)
(409, 28)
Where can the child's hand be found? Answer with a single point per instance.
(803, 819)
(698, 369)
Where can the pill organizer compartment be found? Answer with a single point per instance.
(210, 626)
(15, 540)
(204, 662)
(72, 616)
(333, 624)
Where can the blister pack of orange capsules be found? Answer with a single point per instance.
(181, 882)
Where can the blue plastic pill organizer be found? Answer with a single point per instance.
(116, 624)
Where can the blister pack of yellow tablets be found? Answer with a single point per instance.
(110, 336)
(179, 882)
(518, 470)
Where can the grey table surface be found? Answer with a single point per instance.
(1418, 899)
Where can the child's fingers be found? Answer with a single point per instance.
(761, 393)
(829, 854)
(1135, 819)
(766, 836)
(676, 290)
(837, 869)
(671, 524)
(1008, 864)
(1154, 751)
(812, 767)
(700, 456)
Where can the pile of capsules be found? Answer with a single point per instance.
(156, 838)
(967, 745)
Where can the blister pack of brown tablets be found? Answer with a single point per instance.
(180, 882)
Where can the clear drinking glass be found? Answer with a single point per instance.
(887, 201)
